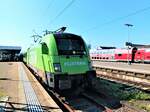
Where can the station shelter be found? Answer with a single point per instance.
(9, 53)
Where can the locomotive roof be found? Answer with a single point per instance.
(66, 34)
(55, 33)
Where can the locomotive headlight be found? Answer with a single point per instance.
(57, 67)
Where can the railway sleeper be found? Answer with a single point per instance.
(108, 70)
(130, 80)
(103, 69)
(122, 73)
(137, 84)
(130, 74)
(140, 75)
(147, 76)
(115, 71)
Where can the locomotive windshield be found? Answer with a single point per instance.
(69, 44)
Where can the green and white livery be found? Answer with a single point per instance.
(61, 60)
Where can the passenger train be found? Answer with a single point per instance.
(61, 60)
(121, 54)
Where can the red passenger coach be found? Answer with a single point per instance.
(140, 55)
(123, 54)
(102, 54)
(147, 55)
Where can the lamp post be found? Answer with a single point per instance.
(128, 25)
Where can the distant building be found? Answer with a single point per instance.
(9, 53)
(137, 45)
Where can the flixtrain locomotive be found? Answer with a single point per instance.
(61, 60)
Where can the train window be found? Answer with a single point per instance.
(138, 52)
(119, 54)
(100, 58)
(103, 57)
(69, 44)
(107, 58)
(44, 48)
(97, 57)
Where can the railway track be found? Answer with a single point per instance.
(141, 86)
(87, 101)
(126, 74)
(90, 101)
(84, 101)
(96, 100)
(71, 102)
(93, 101)
(56, 96)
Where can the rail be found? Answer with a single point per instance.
(132, 72)
(140, 79)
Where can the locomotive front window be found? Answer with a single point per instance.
(69, 44)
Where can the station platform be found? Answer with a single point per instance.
(134, 67)
(20, 91)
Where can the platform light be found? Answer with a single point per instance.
(128, 25)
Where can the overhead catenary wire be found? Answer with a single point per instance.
(48, 6)
(118, 19)
(56, 17)
(45, 12)
(62, 11)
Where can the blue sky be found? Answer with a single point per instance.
(97, 21)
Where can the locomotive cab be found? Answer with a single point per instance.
(74, 62)
(62, 61)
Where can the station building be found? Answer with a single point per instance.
(9, 53)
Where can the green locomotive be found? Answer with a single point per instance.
(61, 60)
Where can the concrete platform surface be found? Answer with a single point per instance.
(16, 85)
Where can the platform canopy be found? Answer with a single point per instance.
(106, 47)
(9, 53)
(17, 49)
(137, 45)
